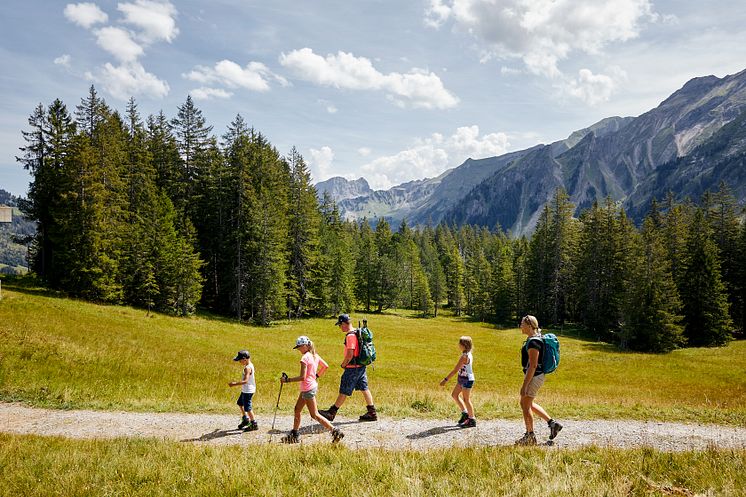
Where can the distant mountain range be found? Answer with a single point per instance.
(692, 141)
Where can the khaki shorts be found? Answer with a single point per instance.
(534, 385)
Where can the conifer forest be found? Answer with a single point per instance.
(165, 214)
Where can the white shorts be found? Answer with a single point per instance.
(534, 385)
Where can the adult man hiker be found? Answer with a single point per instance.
(354, 376)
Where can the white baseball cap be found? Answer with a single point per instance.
(302, 340)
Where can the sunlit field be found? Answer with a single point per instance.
(63, 353)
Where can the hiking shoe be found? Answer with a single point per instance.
(469, 423)
(328, 414)
(463, 418)
(554, 428)
(291, 438)
(244, 423)
(369, 416)
(527, 439)
(337, 435)
(253, 426)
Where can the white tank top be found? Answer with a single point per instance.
(466, 370)
(249, 387)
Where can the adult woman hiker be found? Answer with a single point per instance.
(532, 355)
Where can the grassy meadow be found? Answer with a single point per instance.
(63, 353)
(39, 466)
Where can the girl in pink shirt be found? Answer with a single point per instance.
(312, 366)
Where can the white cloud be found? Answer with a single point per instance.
(255, 76)
(206, 93)
(331, 109)
(63, 60)
(155, 19)
(131, 79)
(321, 163)
(542, 33)
(431, 156)
(119, 43)
(364, 151)
(85, 14)
(417, 88)
(591, 88)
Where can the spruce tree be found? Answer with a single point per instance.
(366, 263)
(651, 311)
(304, 223)
(706, 319)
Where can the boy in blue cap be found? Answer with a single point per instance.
(248, 388)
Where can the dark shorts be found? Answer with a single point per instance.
(244, 400)
(353, 379)
(464, 382)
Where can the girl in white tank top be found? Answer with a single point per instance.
(462, 391)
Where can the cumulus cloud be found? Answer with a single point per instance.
(129, 79)
(429, 157)
(149, 21)
(119, 43)
(206, 93)
(63, 60)
(321, 163)
(85, 14)
(155, 20)
(364, 151)
(542, 33)
(591, 88)
(255, 76)
(417, 88)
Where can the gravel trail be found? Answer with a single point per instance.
(415, 434)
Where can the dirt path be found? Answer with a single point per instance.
(414, 434)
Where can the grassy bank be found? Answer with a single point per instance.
(63, 353)
(53, 466)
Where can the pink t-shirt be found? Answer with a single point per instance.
(312, 368)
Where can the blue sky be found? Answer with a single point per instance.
(388, 90)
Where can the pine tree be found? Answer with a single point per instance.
(602, 267)
(337, 262)
(193, 138)
(706, 319)
(651, 310)
(366, 263)
(304, 223)
(503, 287)
(433, 269)
(722, 216)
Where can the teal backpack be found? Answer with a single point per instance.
(365, 342)
(551, 352)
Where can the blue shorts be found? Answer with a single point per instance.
(353, 379)
(464, 382)
(244, 400)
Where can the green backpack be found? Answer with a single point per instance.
(367, 351)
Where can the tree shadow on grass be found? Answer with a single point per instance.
(438, 430)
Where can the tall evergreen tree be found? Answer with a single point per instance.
(304, 222)
(651, 310)
(706, 318)
(366, 264)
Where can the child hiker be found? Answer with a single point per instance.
(312, 366)
(248, 388)
(464, 383)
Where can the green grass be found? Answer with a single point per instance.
(42, 466)
(63, 353)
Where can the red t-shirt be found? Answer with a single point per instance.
(351, 343)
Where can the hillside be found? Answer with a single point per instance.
(12, 249)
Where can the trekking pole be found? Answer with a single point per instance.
(277, 406)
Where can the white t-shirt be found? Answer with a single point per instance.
(466, 370)
(249, 373)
